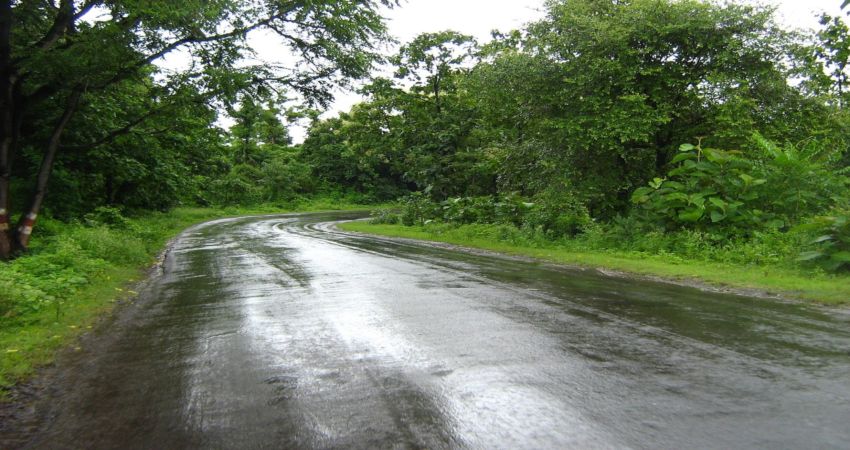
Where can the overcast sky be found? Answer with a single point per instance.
(479, 17)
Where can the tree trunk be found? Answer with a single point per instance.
(8, 82)
(7, 142)
(437, 95)
(5, 234)
(27, 221)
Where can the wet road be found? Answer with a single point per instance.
(282, 333)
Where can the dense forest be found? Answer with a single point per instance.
(690, 124)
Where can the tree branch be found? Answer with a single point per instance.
(128, 71)
(114, 134)
(63, 21)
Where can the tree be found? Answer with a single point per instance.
(438, 116)
(57, 56)
(153, 164)
(413, 132)
(599, 94)
(256, 129)
(434, 58)
(829, 63)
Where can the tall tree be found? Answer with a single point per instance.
(431, 59)
(57, 55)
(603, 92)
(257, 130)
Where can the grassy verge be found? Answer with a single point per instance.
(76, 273)
(788, 282)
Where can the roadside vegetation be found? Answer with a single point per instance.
(99, 142)
(76, 272)
(682, 138)
(746, 267)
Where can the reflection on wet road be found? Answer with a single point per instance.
(278, 332)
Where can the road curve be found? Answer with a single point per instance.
(279, 332)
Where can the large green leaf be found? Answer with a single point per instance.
(691, 214)
(824, 238)
(718, 202)
(717, 216)
(682, 157)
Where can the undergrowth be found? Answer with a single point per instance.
(766, 262)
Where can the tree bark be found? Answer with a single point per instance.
(437, 94)
(7, 124)
(10, 126)
(27, 221)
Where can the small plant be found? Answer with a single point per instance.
(733, 193)
(417, 208)
(831, 242)
(108, 216)
(557, 213)
(709, 188)
(384, 217)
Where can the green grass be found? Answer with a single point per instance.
(775, 279)
(75, 273)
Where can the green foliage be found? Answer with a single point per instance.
(827, 60)
(148, 166)
(552, 215)
(133, 134)
(107, 216)
(409, 137)
(48, 278)
(761, 248)
(418, 209)
(731, 192)
(598, 94)
(802, 180)
(709, 186)
(384, 216)
(558, 213)
(831, 245)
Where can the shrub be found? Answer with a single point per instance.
(557, 214)
(417, 209)
(466, 210)
(107, 215)
(384, 217)
(830, 246)
(725, 192)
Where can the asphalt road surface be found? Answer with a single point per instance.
(280, 332)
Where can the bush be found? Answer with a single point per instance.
(553, 215)
(725, 192)
(558, 214)
(831, 242)
(384, 217)
(466, 210)
(107, 215)
(38, 280)
(417, 209)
